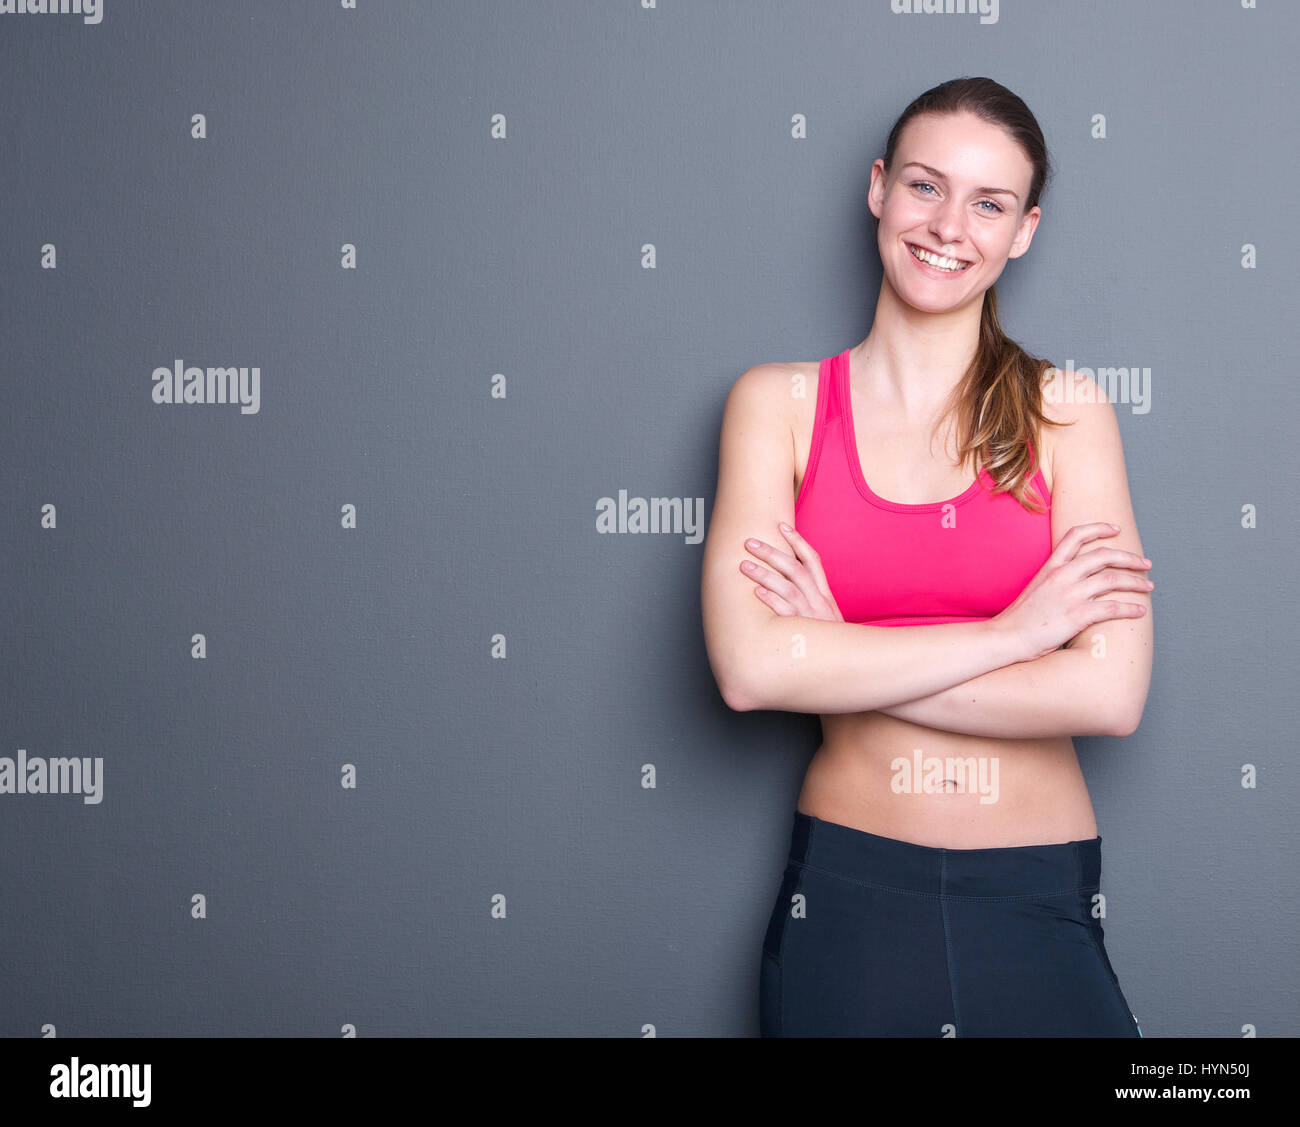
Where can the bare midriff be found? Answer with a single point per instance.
(897, 779)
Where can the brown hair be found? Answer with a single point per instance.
(999, 399)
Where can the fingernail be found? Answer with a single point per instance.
(751, 543)
(785, 527)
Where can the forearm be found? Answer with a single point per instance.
(1063, 693)
(819, 666)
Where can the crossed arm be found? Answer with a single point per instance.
(1071, 692)
(1098, 683)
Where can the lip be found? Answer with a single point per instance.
(932, 271)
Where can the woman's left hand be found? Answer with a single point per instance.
(796, 584)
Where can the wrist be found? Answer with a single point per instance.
(1004, 643)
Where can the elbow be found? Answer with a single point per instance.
(1122, 730)
(1126, 720)
(738, 694)
(739, 682)
(734, 700)
(738, 669)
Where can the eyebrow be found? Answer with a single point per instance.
(941, 176)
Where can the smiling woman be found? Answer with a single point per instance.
(944, 857)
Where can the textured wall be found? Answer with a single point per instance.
(356, 655)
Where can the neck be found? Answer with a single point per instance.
(911, 360)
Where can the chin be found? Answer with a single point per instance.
(935, 303)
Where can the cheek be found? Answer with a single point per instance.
(994, 250)
(894, 223)
(899, 222)
(902, 212)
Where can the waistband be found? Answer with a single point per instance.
(1018, 870)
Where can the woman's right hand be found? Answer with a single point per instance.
(1060, 601)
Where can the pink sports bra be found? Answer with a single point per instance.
(889, 564)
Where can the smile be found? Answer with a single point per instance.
(938, 262)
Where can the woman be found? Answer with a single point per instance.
(944, 870)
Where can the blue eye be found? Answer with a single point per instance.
(927, 184)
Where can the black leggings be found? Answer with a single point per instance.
(874, 937)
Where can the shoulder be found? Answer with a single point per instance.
(773, 393)
(775, 384)
(1087, 419)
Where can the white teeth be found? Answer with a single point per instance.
(953, 264)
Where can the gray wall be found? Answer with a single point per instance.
(370, 907)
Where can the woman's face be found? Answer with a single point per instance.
(939, 199)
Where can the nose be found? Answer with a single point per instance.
(948, 225)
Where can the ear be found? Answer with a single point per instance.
(1025, 235)
(876, 188)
